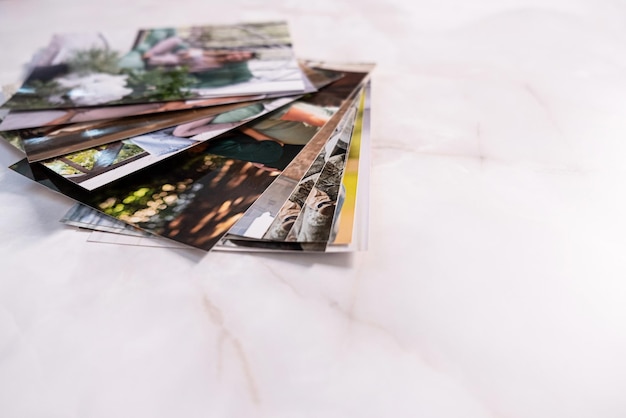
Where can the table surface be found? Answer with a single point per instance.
(495, 280)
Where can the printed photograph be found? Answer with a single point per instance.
(353, 180)
(289, 213)
(342, 93)
(319, 209)
(163, 64)
(308, 210)
(52, 141)
(194, 198)
(21, 119)
(25, 119)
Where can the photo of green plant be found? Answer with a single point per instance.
(163, 64)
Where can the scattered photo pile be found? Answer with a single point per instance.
(211, 137)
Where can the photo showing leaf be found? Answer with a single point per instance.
(163, 64)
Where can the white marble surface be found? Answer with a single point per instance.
(495, 283)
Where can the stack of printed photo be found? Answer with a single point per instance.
(213, 137)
